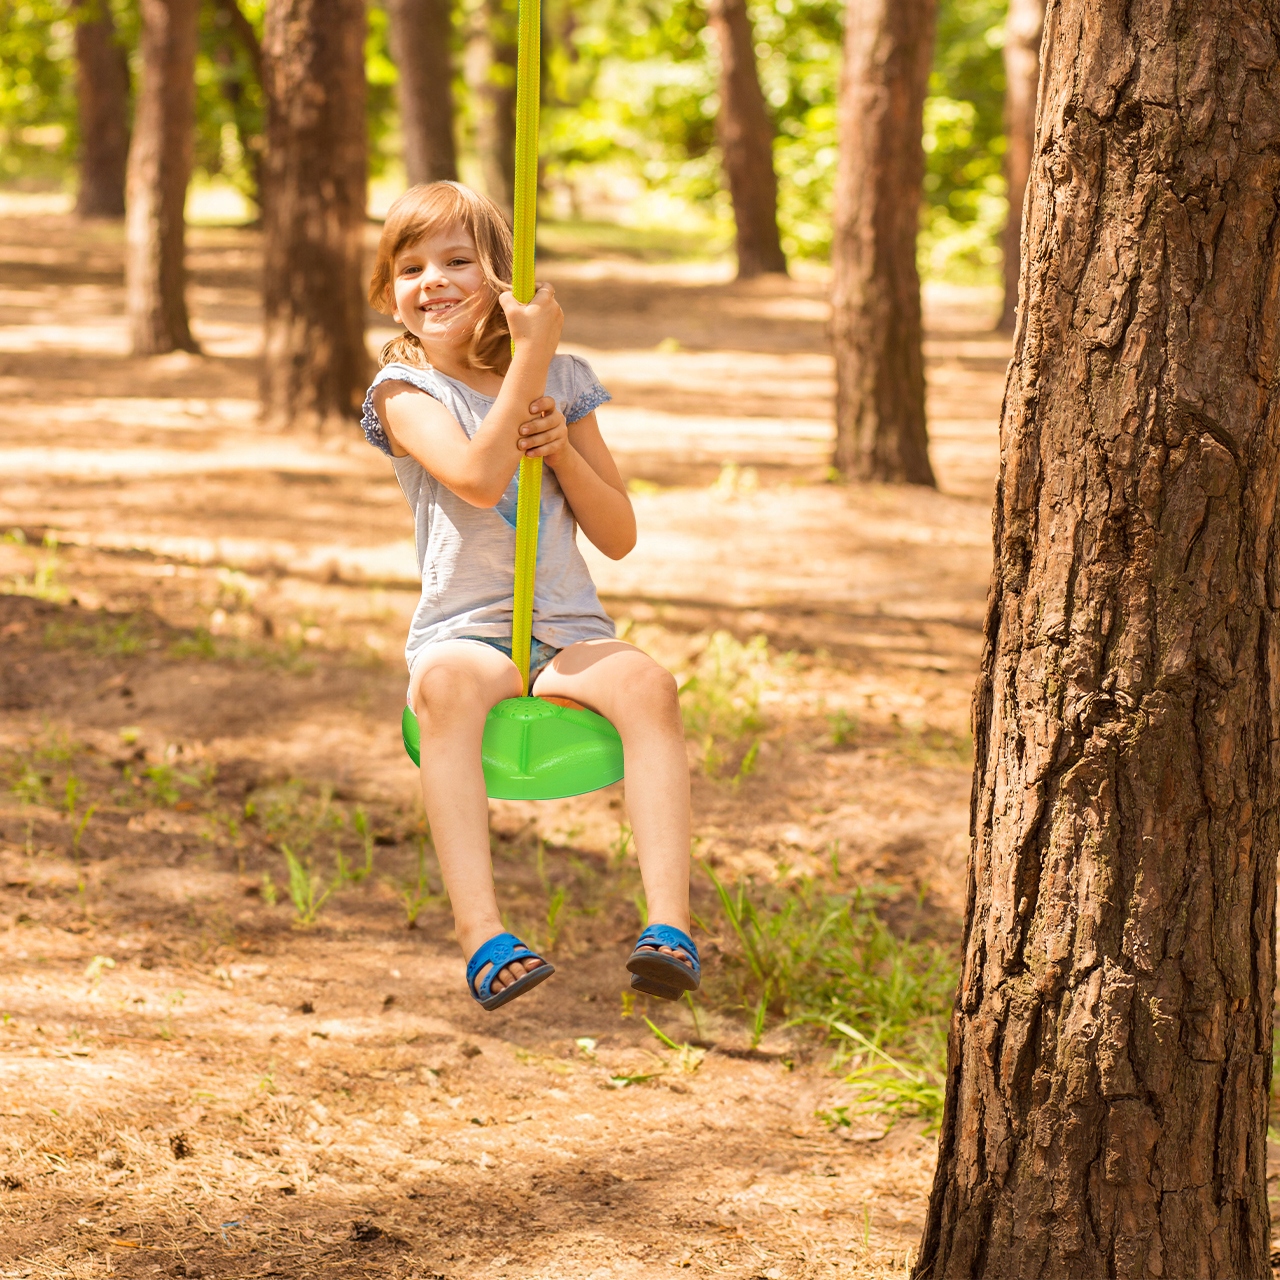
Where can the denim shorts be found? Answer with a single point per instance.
(539, 654)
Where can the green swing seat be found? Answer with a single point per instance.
(533, 749)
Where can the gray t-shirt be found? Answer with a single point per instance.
(467, 554)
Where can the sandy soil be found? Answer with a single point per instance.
(190, 1084)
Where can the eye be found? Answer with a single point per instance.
(410, 270)
(458, 262)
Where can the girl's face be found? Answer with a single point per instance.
(440, 289)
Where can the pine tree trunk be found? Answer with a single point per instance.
(315, 367)
(1022, 30)
(158, 172)
(102, 93)
(746, 142)
(491, 77)
(420, 38)
(1110, 1048)
(876, 321)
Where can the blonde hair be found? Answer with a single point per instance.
(428, 209)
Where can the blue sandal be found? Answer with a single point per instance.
(664, 976)
(499, 952)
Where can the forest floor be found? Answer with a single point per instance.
(201, 628)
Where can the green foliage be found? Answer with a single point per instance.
(230, 106)
(965, 202)
(306, 891)
(43, 583)
(416, 893)
(809, 956)
(38, 132)
(720, 701)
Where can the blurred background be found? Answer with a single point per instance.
(630, 101)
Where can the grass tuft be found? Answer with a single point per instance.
(806, 956)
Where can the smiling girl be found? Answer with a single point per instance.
(471, 387)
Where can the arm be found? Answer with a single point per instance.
(479, 469)
(594, 490)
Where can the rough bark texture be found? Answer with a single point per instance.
(1023, 28)
(1110, 1049)
(491, 77)
(315, 367)
(102, 103)
(876, 323)
(420, 37)
(158, 172)
(746, 141)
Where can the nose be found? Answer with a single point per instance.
(432, 277)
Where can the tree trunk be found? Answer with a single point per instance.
(746, 142)
(876, 322)
(229, 16)
(1022, 30)
(1110, 1048)
(102, 100)
(315, 367)
(420, 39)
(491, 77)
(158, 172)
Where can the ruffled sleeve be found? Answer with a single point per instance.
(374, 432)
(586, 394)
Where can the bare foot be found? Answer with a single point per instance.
(676, 953)
(509, 973)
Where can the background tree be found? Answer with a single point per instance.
(490, 68)
(102, 100)
(1022, 31)
(229, 92)
(876, 318)
(159, 169)
(1110, 1049)
(746, 142)
(421, 34)
(315, 363)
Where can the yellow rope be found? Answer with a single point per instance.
(528, 58)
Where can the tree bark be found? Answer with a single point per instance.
(746, 142)
(315, 367)
(102, 101)
(1110, 1048)
(491, 77)
(158, 172)
(420, 39)
(1022, 30)
(876, 321)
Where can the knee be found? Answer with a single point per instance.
(652, 690)
(446, 692)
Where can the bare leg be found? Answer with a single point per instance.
(639, 698)
(454, 685)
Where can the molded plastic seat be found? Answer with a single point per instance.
(538, 750)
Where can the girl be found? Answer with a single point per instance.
(455, 408)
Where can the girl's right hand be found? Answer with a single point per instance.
(536, 323)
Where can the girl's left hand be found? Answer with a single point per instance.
(546, 434)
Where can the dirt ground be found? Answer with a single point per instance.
(200, 663)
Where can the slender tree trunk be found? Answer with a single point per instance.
(315, 367)
(876, 321)
(491, 77)
(1110, 1048)
(420, 38)
(746, 142)
(230, 16)
(158, 172)
(1022, 29)
(102, 93)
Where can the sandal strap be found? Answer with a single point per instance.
(499, 951)
(667, 935)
